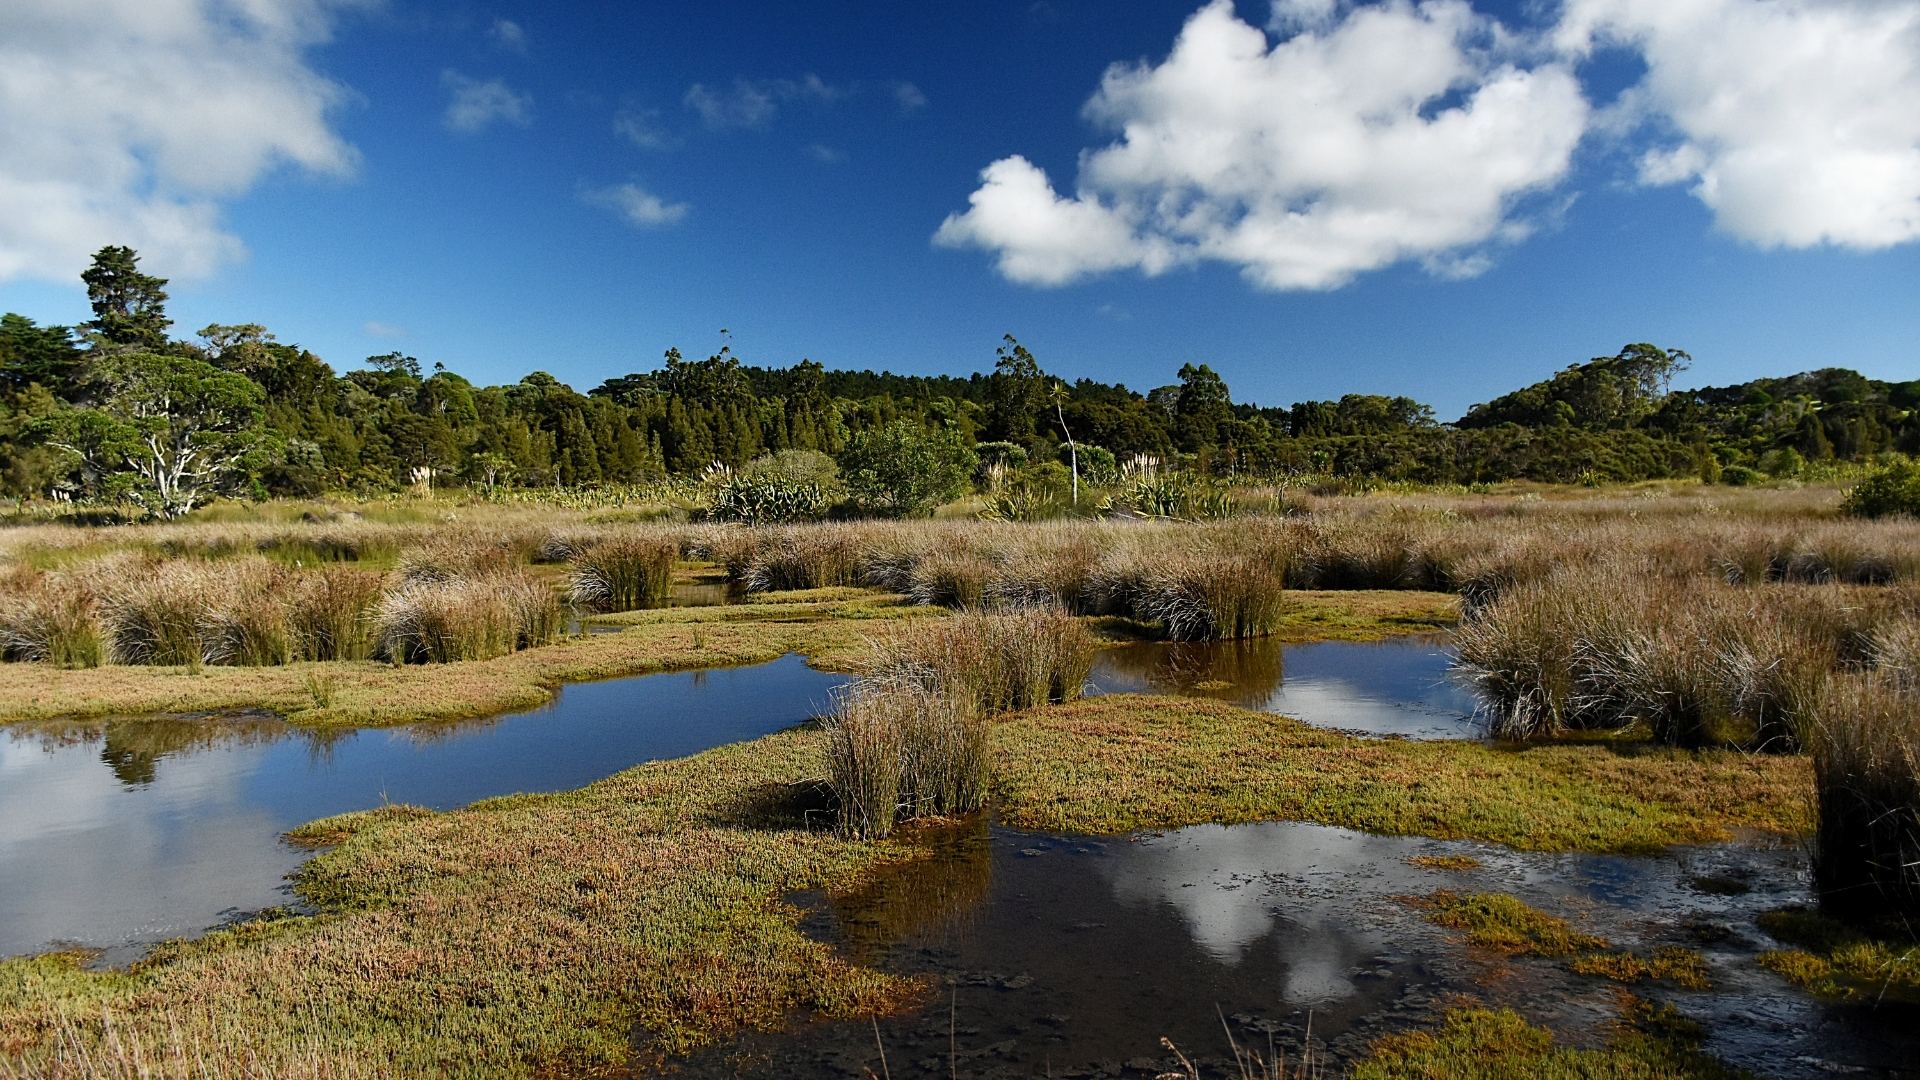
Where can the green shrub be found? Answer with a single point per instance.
(904, 470)
(1886, 492)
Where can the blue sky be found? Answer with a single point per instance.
(449, 181)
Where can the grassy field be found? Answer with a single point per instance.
(1676, 665)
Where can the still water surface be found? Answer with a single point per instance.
(115, 835)
(1399, 686)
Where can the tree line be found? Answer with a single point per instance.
(119, 409)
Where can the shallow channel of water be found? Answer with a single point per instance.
(1399, 686)
(118, 834)
(1069, 956)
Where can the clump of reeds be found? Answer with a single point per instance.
(1696, 662)
(998, 662)
(1866, 764)
(53, 620)
(951, 578)
(453, 557)
(623, 573)
(804, 558)
(1518, 656)
(465, 618)
(246, 619)
(160, 617)
(899, 749)
(910, 739)
(1058, 571)
(330, 612)
(1210, 594)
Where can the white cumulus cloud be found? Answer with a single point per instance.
(1796, 121)
(1397, 132)
(637, 206)
(129, 121)
(475, 105)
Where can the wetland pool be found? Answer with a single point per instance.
(1073, 956)
(1400, 686)
(118, 834)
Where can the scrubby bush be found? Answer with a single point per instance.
(1894, 489)
(777, 489)
(903, 470)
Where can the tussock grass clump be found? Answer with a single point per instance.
(999, 662)
(952, 578)
(465, 618)
(898, 749)
(911, 739)
(1209, 595)
(1060, 572)
(330, 612)
(623, 573)
(452, 558)
(160, 617)
(247, 621)
(804, 558)
(1866, 767)
(1518, 656)
(54, 620)
(1695, 662)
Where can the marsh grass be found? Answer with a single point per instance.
(1209, 595)
(625, 572)
(803, 557)
(911, 738)
(54, 620)
(1692, 662)
(248, 623)
(160, 617)
(330, 612)
(1866, 762)
(999, 662)
(899, 750)
(466, 618)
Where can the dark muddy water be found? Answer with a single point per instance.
(1066, 956)
(1395, 687)
(114, 835)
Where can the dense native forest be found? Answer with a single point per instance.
(119, 409)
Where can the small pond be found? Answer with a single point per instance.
(117, 834)
(1400, 686)
(1071, 956)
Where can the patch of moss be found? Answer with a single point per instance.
(1651, 1043)
(1509, 925)
(1123, 762)
(1833, 960)
(1444, 862)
